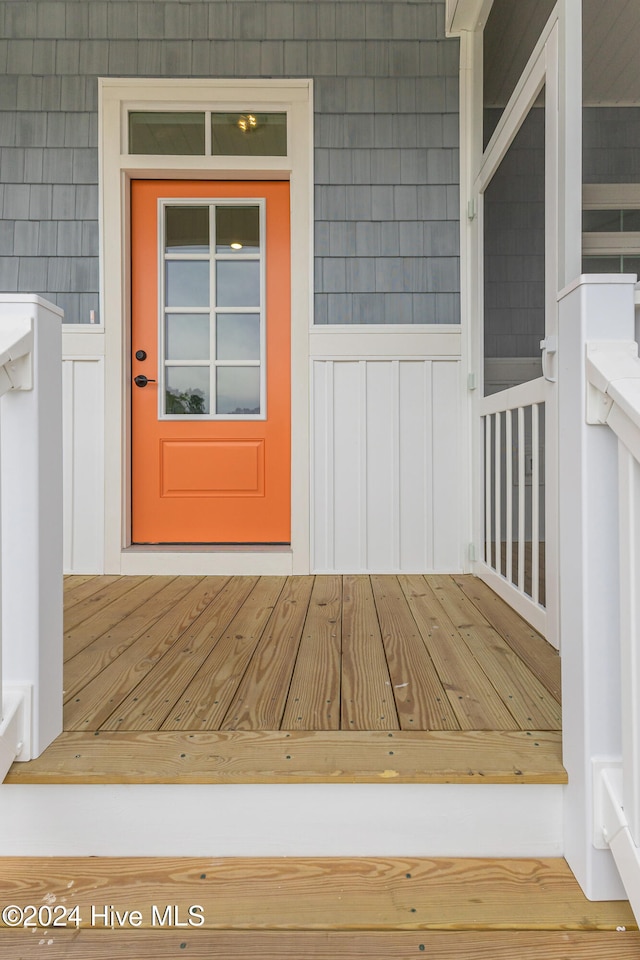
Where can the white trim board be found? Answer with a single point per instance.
(532, 612)
(116, 97)
(466, 15)
(83, 451)
(607, 196)
(260, 820)
(371, 340)
(203, 560)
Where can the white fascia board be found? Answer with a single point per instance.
(465, 15)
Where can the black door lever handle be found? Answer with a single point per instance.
(142, 381)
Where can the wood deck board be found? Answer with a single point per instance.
(78, 587)
(114, 613)
(528, 700)
(298, 757)
(367, 698)
(186, 654)
(320, 945)
(88, 662)
(421, 700)
(367, 894)
(260, 700)
(110, 590)
(523, 639)
(99, 697)
(148, 705)
(206, 700)
(314, 695)
(329, 666)
(473, 697)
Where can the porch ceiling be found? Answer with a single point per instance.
(611, 40)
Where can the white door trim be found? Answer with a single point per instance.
(117, 168)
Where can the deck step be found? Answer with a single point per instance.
(399, 756)
(249, 945)
(468, 909)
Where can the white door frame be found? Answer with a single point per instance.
(117, 168)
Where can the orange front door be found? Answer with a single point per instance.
(210, 362)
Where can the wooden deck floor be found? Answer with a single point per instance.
(289, 908)
(343, 661)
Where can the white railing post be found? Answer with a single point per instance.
(592, 308)
(613, 398)
(31, 530)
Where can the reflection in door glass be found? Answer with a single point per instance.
(238, 390)
(163, 132)
(188, 336)
(238, 336)
(249, 134)
(187, 230)
(187, 391)
(238, 283)
(212, 317)
(187, 283)
(237, 229)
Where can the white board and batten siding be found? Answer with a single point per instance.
(387, 487)
(387, 475)
(83, 448)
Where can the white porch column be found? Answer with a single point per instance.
(592, 308)
(31, 541)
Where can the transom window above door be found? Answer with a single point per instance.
(212, 322)
(207, 133)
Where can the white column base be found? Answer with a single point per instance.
(15, 726)
(611, 829)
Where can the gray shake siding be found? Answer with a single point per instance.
(386, 137)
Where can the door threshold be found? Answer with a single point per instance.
(203, 559)
(208, 548)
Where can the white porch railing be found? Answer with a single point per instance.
(30, 527)
(513, 429)
(613, 379)
(599, 544)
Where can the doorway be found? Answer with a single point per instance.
(210, 362)
(517, 238)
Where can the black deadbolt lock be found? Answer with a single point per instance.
(141, 355)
